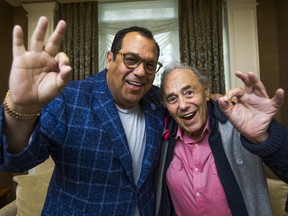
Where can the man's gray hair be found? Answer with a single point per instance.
(175, 66)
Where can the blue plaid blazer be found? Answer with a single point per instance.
(82, 131)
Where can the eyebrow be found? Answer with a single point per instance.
(182, 90)
(185, 88)
(136, 54)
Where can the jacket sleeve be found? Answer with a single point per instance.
(22, 161)
(274, 151)
(36, 151)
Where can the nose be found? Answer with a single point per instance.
(183, 105)
(140, 70)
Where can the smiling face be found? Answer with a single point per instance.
(186, 100)
(128, 86)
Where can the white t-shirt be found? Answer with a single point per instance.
(133, 121)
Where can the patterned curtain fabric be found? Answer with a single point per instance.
(201, 39)
(81, 38)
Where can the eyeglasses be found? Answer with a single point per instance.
(132, 61)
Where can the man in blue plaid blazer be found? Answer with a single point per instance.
(103, 133)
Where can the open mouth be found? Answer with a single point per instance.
(189, 116)
(137, 84)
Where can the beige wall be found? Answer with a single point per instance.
(273, 45)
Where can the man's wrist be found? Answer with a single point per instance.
(18, 115)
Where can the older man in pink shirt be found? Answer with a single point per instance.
(192, 177)
(206, 167)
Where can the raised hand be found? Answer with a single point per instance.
(39, 73)
(250, 110)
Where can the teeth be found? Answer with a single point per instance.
(135, 83)
(189, 115)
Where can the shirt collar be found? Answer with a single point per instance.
(180, 134)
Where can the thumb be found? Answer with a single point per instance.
(64, 77)
(65, 71)
(278, 98)
(224, 104)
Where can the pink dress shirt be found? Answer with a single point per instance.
(193, 180)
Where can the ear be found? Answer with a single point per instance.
(207, 91)
(109, 59)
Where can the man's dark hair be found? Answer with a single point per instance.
(117, 41)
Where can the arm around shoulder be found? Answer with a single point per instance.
(274, 150)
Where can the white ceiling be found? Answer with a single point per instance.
(16, 3)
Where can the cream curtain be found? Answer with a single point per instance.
(161, 17)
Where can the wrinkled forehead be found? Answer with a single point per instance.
(180, 77)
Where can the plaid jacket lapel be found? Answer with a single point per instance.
(154, 115)
(105, 107)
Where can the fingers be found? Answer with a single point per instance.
(257, 85)
(216, 97)
(224, 105)
(228, 105)
(230, 100)
(247, 79)
(252, 77)
(64, 77)
(53, 43)
(65, 70)
(236, 92)
(243, 77)
(38, 36)
(18, 44)
(62, 60)
(252, 83)
(278, 98)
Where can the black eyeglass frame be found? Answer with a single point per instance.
(140, 60)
